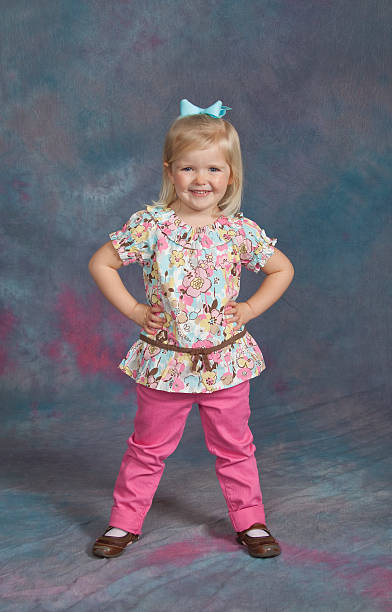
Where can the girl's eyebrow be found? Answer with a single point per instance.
(184, 163)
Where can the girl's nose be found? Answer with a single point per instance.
(200, 178)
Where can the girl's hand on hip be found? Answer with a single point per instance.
(148, 317)
(239, 313)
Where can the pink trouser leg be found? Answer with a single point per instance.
(159, 424)
(224, 415)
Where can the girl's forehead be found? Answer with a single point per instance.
(213, 152)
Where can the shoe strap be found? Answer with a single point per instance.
(256, 526)
(111, 527)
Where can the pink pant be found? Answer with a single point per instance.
(159, 424)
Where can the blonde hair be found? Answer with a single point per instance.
(200, 132)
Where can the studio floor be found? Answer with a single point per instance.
(326, 487)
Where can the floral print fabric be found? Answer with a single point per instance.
(192, 273)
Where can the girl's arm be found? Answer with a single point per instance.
(103, 267)
(280, 273)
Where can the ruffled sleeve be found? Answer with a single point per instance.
(255, 246)
(134, 242)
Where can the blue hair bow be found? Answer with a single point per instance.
(215, 110)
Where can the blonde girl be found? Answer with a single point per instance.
(193, 346)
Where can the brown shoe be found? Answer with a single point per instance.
(261, 546)
(110, 546)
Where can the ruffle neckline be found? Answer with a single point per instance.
(185, 235)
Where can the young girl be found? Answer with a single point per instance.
(193, 347)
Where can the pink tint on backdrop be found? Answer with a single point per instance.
(374, 573)
(185, 552)
(7, 323)
(53, 350)
(80, 321)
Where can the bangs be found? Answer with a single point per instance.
(194, 132)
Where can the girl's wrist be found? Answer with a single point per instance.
(135, 313)
(254, 314)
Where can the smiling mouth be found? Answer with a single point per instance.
(200, 192)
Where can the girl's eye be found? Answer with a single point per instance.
(214, 169)
(187, 169)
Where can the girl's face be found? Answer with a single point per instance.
(200, 178)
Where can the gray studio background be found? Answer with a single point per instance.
(88, 91)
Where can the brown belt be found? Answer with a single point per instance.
(199, 353)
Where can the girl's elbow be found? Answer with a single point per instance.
(92, 263)
(290, 273)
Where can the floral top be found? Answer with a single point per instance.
(192, 273)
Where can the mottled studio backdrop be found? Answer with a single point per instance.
(88, 90)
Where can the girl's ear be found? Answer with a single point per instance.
(231, 178)
(168, 171)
